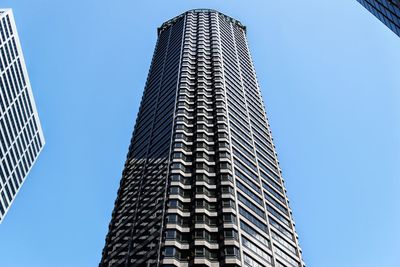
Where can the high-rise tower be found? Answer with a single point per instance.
(387, 11)
(21, 136)
(202, 184)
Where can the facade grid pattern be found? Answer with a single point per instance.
(21, 136)
(387, 11)
(220, 198)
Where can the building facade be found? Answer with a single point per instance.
(21, 136)
(202, 184)
(387, 11)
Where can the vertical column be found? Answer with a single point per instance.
(230, 255)
(177, 232)
(201, 226)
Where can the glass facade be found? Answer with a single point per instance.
(21, 136)
(202, 184)
(387, 11)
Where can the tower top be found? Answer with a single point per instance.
(5, 10)
(172, 21)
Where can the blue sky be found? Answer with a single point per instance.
(329, 74)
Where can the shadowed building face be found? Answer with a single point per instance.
(201, 184)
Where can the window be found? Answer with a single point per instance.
(199, 252)
(170, 234)
(261, 253)
(230, 234)
(280, 228)
(278, 215)
(250, 205)
(247, 180)
(172, 218)
(253, 219)
(286, 257)
(248, 229)
(250, 261)
(249, 192)
(173, 203)
(229, 218)
(283, 242)
(228, 203)
(169, 251)
(276, 204)
(232, 251)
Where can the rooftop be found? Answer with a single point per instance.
(172, 21)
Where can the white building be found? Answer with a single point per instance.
(21, 136)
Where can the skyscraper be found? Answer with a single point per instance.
(201, 184)
(21, 136)
(387, 11)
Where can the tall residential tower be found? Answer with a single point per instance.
(201, 184)
(21, 136)
(387, 11)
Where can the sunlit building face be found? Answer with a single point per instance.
(21, 136)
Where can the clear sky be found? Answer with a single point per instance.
(329, 72)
